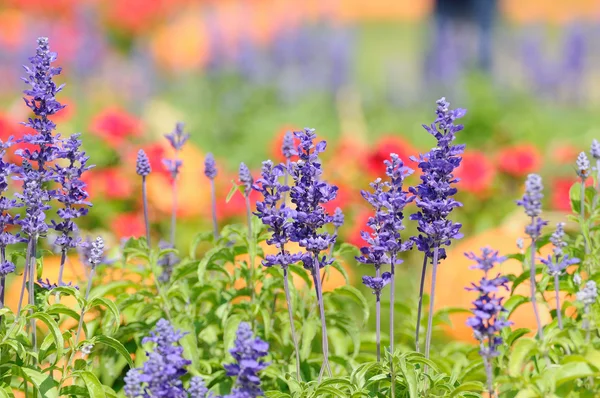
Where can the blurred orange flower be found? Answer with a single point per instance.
(127, 225)
(115, 125)
(476, 173)
(564, 153)
(382, 150)
(519, 160)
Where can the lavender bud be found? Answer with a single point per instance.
(246, 179)
(557, 239)
(520, 243)
(142, 165)
(532, 199)
(577, 279)
(210, 167)
(287, 147)
(97, 252)
(177, 138)
(588, 294)
(338, 218)
(583, 166)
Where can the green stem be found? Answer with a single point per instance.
(533, 289)
(420, 307)
(431, 302)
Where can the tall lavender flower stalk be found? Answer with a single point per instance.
(6, 219)
(434, 198)
(41, 99)
(595, 152)
(143, 169)
(532, 203)
(587, 295)
(557, 263)
(73, 195)
(488, 321)
(338, 222)
(274, 213)
(288, 150)
(177, 138)
(96, 257)
(308, 194)
(210, 171)
(583, 172)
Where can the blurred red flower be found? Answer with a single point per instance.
(127, 225)
(115, 125)
(560, 193)
(382, 150)
(345, 196)
(519, 160)
(112, 183)
(278, 141)
(476, 173)
(564, 153)
(156, 152)
(359, 223)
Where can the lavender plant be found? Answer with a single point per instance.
(288, 150)
(210, 171)
(143, 169)
(434, 198)
(587, 295)
(532, 203)
(308, 194)
(274, 213)
(488, 319)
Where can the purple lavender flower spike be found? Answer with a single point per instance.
(273, 212)
(595, 152)
(177, 138)
(488, 321)
(6, 219)
(72, 194)
(143, 169)
(288, 150)
(247, 181)
(246, 178)
(434, 198)
(557, 263)
(197, 388)
(583, 172)
(308, 194)
(166, 262)
(587, 295)
(247, 353)
(161, 374)
(46, 284)
(532, 203)
(338, 218)
(210, 171)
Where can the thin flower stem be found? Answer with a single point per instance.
(145, 203)
(63, 258)
(214, 209)
(558, 309)
(329, 255)
(32, 273)
(595, 201)
(582, 214)
(174, 210)
(81, 315)
(288, 298)
(378, 318)
(420, 308)
(2, 280)
(325, 342)
(392, 310)
(251, 244)
(533, 289)
(489, 377)
(431, 302)
(25, 276)
(586, 323)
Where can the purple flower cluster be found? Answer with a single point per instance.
(275, 214)
(210, 166)
(377, 283)
(308, 194)
(487, 320)
(583, 166)
(142, 164)
(246, 179)
(338, 218)
(532, 203)
(167, 262)
(435, 192)
(71, 193)
(161, 374)
(287, 146)
(6, 219)
(177, 138)
(247, 353)
(558, 261)
(197, 388)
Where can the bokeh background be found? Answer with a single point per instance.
(365, 74)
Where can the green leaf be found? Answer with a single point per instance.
(340, 268)
(234, 188)
(230, 328)
(92, 383)
(47, 386)
(472, 386)
(520, 352)
(571, 371)
(410, 378)
(357, 297)
(110, 305)
(74, 390)
(54, 330)
(204, 236)
(309, 331)
(3, 394)
(514, 302)
(116, 345)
